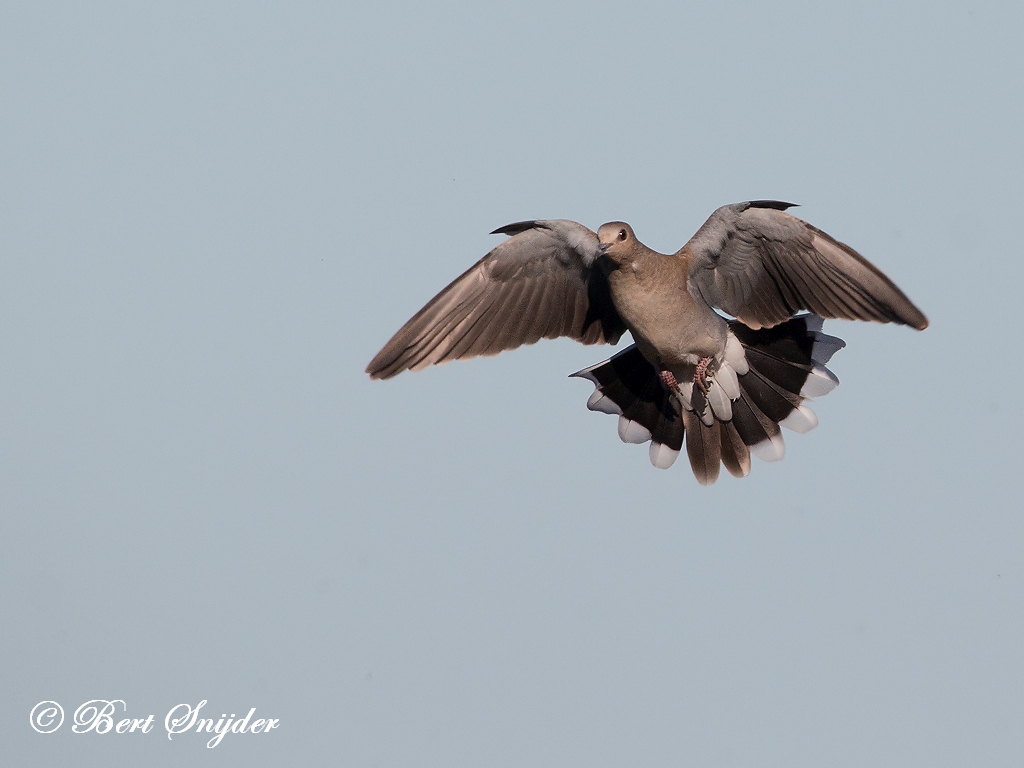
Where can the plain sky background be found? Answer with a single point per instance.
(212, 216)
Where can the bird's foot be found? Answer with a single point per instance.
(701, 376)
(670, 380)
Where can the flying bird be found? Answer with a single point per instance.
(721, 385)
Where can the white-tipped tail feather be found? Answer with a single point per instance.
(772, 449)
(820, 381)
(761, 383)
(801, 420)
(601, 402)
(662, 456)
(632, 432)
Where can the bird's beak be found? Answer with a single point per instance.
(602, 248)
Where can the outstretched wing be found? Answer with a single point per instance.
(762, 266)
(540, 283)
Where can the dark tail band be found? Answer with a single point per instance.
(778, 370)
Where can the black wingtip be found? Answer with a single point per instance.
(515, 228)
(777, 205)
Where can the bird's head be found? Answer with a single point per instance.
(616, 240)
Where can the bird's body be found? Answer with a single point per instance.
(649, 289)
(725, 386)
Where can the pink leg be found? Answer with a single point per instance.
(670, 380)
(701, 376)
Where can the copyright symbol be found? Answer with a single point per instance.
(46, 716)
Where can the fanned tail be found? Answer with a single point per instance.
(628, 386)
(763, 383)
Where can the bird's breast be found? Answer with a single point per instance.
(668, 325)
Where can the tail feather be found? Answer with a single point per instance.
(824, 347)
(629, 385)
(784, 373)
(703, 446)
(735, 454)
(763, 383)
(751, 424)
(775, 402)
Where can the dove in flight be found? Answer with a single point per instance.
(721, 386)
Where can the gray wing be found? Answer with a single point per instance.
(540, 283)
(762, 266)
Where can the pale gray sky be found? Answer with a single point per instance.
(212, 215)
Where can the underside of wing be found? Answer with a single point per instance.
(762, 265)
(540, 283)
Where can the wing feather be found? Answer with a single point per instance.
(763, 265)
(540, 283)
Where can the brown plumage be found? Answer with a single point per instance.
(752, 260)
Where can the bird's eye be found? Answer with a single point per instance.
(622, 234)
